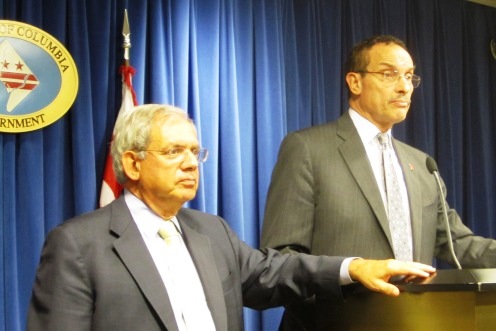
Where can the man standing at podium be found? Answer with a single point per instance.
(348, 188)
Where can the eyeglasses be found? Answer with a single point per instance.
(393, 76)
(178, 153)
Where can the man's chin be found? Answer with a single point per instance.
(400, 115)
(188, 196)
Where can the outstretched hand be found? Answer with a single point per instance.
(375, 274)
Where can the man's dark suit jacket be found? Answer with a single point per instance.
(96, 273)
(324, 200)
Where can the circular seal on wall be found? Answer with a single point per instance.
(38, 78)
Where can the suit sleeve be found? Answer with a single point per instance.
(472, 251)
(289, 211)
(62, 296)
(271, 279)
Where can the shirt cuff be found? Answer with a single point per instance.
(344, 275)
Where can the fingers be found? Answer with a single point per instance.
(396, 268)
(382, 286)
(388, 289)
(419, 270)
(375, 274)
(424, 267)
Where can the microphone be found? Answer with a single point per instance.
(432, 167)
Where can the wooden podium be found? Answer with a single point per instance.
(462, 300)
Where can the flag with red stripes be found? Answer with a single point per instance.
(111, 189)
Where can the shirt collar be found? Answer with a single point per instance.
(366, 129)
(146, 219)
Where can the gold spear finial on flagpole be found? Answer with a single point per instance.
(126, 33)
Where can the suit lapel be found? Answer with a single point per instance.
(355, 157)
(135, 256)
(414, 195)
(204, 259)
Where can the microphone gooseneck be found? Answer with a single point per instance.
(432, 167)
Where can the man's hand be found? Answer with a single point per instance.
(375, 274)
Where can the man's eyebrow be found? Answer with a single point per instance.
(175, 145)
(394, 66)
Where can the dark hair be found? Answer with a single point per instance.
(358, 58)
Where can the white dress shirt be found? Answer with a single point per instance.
(368, 133)
(149, 223)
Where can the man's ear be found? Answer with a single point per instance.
(354, 81)
(131, 165)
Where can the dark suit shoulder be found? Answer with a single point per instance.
(87, 220)
(193, 213)
(410, 149)
(202, 222)
(196, 216)
(342, 127)
(102, 224)
(316, 130)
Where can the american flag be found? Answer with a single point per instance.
(111, 189)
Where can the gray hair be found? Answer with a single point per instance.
(132, 132)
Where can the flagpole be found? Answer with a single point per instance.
(126, 33)
(111, 189)
(127, 70)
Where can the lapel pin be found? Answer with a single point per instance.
(412, 167)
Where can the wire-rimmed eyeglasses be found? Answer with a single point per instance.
(393, 76)
(179, 153)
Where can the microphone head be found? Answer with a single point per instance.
(431, 164)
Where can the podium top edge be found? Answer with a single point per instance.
(453, 280)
